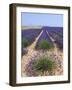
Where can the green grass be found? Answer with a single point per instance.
(43, 64)
(25, 42)
(44, 44)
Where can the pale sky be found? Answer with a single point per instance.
(41, 19)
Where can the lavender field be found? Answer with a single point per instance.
(42, 51)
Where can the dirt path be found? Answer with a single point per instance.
(55, 46)
(59, 56)
(31, 52)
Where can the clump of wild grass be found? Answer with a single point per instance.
(44, 64)
(43, 44)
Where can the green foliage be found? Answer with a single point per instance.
(44, 45)
(25, 42)
(43, 64)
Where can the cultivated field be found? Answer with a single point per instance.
(42, 51)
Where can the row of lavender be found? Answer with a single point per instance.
(30, 34)
(55, 32)
(44, 36)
